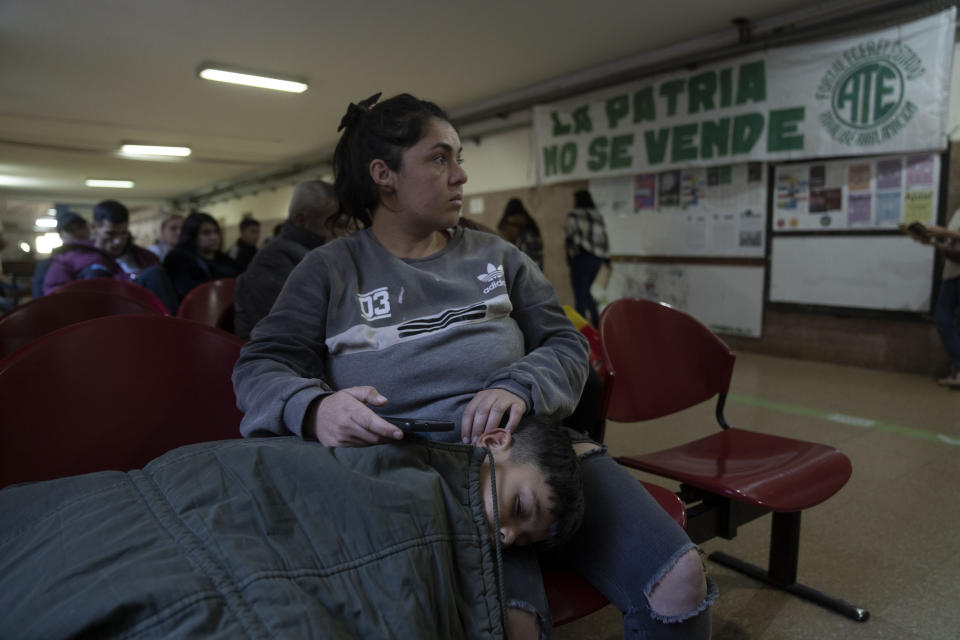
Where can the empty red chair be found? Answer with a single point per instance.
(49, 313)
(114, 393)
(116, 287)
(664, 361)
(210, 303)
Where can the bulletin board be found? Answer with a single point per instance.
(703, 211)
(862, 193)
(835, 240)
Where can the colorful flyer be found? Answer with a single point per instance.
(669, 192)
(919, 171)
(858, 209)
(859, 177)
(888, 173)
(918, 206)
(645, 192)
(888, 208)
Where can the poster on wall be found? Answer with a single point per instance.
(869, 193)
(700, 211)
(883, 92)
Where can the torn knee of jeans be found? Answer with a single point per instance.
(681, 590)
(543, 621)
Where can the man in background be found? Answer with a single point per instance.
(110, 253)
(306, 227)
(246, 246)
(72, 229)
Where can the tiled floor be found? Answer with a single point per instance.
(889, 541)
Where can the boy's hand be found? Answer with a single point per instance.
(343, 419)
(486, 410)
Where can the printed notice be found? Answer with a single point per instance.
(918, 206)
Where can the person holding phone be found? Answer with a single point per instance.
(946, 313)
(414, 316)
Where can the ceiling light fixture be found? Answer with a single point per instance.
(251, 80)
(49, 223)
(154, 150)
(110, 184)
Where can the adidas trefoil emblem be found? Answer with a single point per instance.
(494, 276)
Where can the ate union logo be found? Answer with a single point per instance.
(865, 92)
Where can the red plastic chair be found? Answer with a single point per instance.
(116, 287)
(665, 361)
(210, 303)
(49, 313)
(114, 393)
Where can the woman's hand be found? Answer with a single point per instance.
(487, 409)
(343, 419)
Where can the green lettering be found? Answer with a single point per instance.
(746, 131)
(581, 120)
(597, 151)
(644, 106)
(849, 91)
(752, 82)
(550, 160)
(568, 157)
(617, 108)
(671, 90)
(620, 157)
(559, 128)
(782, 134)
(656, 144)
(715, 134)
(684, 146)
(880, 107)
(702, 87)
(726, 87)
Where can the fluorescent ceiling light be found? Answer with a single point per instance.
(46, 222)
(154, 150)
(112, 184)
(252, 80)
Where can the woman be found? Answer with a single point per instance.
(585, 238)
(415, 316)
(519, 227)
(197, 257)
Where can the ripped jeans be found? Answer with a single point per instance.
(625, 546)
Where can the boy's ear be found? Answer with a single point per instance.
(496, 440)
(382, 175)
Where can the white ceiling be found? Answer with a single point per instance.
(79, 78)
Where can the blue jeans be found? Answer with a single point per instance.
(946, 317)
(583, 271)
(625, 546)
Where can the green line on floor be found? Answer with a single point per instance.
(855, 421)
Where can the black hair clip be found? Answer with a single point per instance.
(355, 111)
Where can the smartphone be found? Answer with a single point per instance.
(917, 229)
(419, 424)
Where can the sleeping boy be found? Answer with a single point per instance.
(278, 537)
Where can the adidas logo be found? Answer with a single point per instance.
(494, 276)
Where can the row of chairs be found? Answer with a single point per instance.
(210, 303)
(128, 388)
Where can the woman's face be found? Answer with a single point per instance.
(208, 238)
(428, 188)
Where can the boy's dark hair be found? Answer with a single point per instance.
(112, 211)
(382, 131)
(547, 447)
(248, 222)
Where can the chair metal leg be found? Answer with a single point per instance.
(782, 573)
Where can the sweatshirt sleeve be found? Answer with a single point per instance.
(280, 371)
(550, 377)
(58, 275)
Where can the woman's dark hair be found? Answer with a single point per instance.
(382, 131)
(191, 229)
(583, 200)
(515, 209)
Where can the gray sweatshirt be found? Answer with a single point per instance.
(428, 333)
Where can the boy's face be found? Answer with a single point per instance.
(110, 237)
(523, 495)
